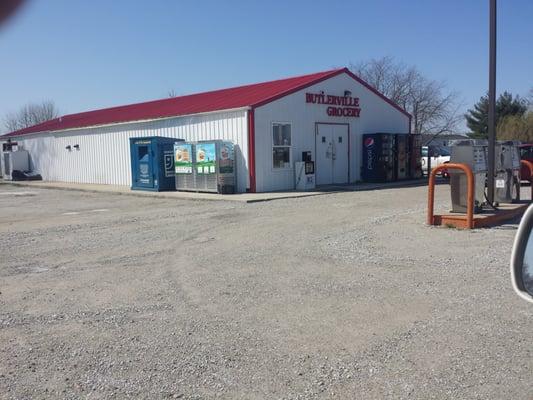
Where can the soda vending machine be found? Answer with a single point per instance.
(378, 157)
(401, 150)
(415, 156)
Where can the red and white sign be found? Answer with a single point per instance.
(339, 106)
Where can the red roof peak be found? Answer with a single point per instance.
(250, 95)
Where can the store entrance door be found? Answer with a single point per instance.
(332, 164)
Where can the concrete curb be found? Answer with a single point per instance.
(192, 196)
(160, 195)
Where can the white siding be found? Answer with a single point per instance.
(376, 116)
(104, 155)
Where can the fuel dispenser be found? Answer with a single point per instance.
(507, 172)
(304, 172)
(473, 154)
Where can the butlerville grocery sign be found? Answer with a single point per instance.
(339, 106)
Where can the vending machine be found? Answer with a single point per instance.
(206, 166)
(183, 166)
(214, 167)
(379, 162)
(401, 152)
(415, 156)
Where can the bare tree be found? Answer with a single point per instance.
(434, 108)
(172, 93)
(31, 114)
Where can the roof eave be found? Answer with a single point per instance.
(298, 88)
(140, 121)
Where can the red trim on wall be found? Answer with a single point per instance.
(251, 150)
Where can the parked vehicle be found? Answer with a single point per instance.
(522, 258)
(526, 153)
(439, 155)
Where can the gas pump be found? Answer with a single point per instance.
(472, 153)
(507, 172)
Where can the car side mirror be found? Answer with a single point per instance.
(522, 258)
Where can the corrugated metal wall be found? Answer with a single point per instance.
(104, 154)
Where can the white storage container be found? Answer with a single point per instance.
(15, 161)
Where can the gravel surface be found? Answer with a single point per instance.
(342, 296)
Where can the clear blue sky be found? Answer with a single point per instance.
(93, 54)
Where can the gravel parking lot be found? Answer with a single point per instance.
(341, 296)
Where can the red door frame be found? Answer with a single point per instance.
(349, 141)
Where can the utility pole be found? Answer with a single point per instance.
(492, 102)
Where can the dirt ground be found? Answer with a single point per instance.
(340, 296)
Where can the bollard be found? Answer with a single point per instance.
(470, 191)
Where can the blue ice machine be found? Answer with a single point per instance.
(152, 163)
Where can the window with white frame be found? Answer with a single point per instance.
(281, 145)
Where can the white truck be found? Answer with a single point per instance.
(439, 155)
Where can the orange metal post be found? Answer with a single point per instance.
(469, 194)
(529, 164)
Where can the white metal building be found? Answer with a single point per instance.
(271, 124)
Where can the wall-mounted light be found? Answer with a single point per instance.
(77, 146)
(69, 147)
(347, 93)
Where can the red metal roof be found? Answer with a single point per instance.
(237, 97)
